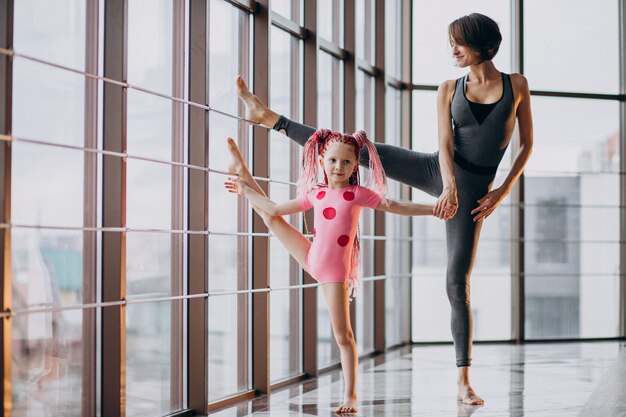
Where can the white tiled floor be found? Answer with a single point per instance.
(551, 380)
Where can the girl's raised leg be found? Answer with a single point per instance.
(294, 241)
(336, 295)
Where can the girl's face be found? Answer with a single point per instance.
(464, 56)
(339, 162)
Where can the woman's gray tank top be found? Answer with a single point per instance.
(483, 143)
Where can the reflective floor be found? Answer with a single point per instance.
(551, 380)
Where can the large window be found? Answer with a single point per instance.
(139, 286)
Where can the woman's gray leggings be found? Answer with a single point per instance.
(421, 170)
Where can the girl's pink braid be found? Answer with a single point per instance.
(309, 171)
(377, 179)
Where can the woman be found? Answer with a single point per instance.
(476, 118)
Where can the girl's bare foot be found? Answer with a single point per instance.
(237, 163)
(348, 407)
(466, 395)
(256, 111)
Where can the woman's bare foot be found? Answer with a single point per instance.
(256, 111)
(348, 407)
(466, 395)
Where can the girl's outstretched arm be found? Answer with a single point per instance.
(406, 208)
(272, 208)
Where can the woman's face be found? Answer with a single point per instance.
(464, 56)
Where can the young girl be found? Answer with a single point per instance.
(333, 257)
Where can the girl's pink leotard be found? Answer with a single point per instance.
(336, 214)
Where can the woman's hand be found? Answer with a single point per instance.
(488, 204)
(233, 185)
(447, 204)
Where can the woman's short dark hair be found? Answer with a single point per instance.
(477, 31)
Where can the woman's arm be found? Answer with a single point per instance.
(447, 203)
(233, 185)
(406, 208)
(489, 202)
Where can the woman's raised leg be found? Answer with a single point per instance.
(336, 295)
(293, 240)
(416, 169)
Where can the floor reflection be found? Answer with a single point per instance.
(552, 379)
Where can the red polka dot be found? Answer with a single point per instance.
(343, 240)
(329, 213)
(348, 196)
(314, 232)
(321, 195)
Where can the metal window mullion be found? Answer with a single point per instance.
(197, 218)
(114, 211)
(349, 92)
(90, 214)
(518, 300)
(260, 245)
(309, 295)
(6, 99)
(379, 217)
(295, 321)
(177, 204)
(405, 141)
(243, 224)
(621, 331)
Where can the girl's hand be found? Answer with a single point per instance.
(233, 185)
(488, 204)
(447, 204)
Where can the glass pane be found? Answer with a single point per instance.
(47, 356)
(329, 94)
(48, 104)
(432, 56)
(330, 20)
(393, 39)
(285, 317)
(546, 57)
(572, 220)
(151, 347)
(149, 126)
(228, 53)
(228, 345)
(150, 40)
(365, 23)
(365, 92)
(282, 7)
(53, 31)
(47, 186)
(148, 264)
(148, 188)
(396, 249)
(47, 268)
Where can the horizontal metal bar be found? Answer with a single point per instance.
(13, 54)
(332, 49)
(271, 235)
(397, 84)
(592, 96)
(11, 138)
(288, 26)
(368, 68)
(245, 5)
(543, 93)
(143, 300)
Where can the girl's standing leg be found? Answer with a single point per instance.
(291, 238)
(336, 295)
